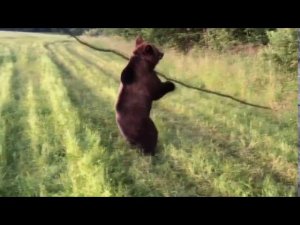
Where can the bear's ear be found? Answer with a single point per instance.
(139, 40)
(148, 49)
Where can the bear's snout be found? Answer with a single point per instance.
(161, 55)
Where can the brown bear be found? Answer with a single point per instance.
(140, 86)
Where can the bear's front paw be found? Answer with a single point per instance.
(170, 86)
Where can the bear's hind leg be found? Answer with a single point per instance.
(148, 138)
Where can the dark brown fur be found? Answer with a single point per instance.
(139, 87)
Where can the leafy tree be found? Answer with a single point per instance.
(283, 49)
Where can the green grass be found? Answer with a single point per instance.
(58, 135)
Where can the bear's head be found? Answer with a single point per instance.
(147, 51)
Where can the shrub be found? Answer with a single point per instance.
(283, 49)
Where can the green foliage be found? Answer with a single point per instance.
(184, 39)
(75, 31)
(283, 49)
(257, 35)
(128, 33)
(94, 32)
(219, 39)
(222, 39)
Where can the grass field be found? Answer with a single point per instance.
(58, 135)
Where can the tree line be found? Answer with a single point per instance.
(280, 45)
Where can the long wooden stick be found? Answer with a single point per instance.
(170, 79)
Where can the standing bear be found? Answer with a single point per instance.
(140, 86)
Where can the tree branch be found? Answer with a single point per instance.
(166, 77)
(99, 49)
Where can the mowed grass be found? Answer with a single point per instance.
(58, 135)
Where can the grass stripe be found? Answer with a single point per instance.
(89, 179)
